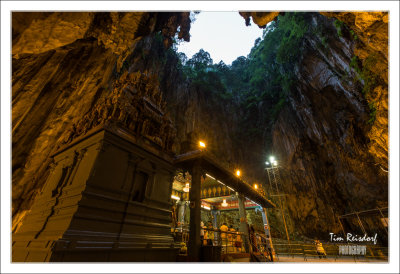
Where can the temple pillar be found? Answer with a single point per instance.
(181, 216)
(265, 222)
(243, 222)
(195, 206)
(214, 214)
(215, 223)
(267, 229)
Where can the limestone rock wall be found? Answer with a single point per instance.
(51, 91)
(331, 161)
(371, 29)
(38, 32)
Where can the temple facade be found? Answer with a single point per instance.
(108, 194)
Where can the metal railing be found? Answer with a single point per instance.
(230, 241)
(260, 245)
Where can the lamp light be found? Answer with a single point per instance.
(224, 203)
(206, 207)
(208, 175)
(202, 144)
(272, 159)
(175, 197)
(238, 172)
(255, 186)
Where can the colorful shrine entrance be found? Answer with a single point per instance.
(211, 211)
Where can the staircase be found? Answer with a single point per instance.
(259, 249)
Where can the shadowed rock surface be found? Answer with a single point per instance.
(334, 160)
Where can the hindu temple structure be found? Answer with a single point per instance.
(108, 196)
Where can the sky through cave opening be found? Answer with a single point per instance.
(222, 34)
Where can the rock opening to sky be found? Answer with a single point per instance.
(223, 34)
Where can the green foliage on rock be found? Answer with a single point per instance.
(372, 113)
(339, 27)
(354, 63)
(366, 73)
(353, 35)
(291, 30)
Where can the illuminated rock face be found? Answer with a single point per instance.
(118, 31)
(40, 32)
(51, 91)
(260, 18)
(372, 30)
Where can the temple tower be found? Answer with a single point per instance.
(107, 197)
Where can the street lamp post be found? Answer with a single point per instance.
(274, 169)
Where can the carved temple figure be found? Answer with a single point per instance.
(136, 104)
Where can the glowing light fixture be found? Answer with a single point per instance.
(255, 186)
(275, 163)
(272, 159)
(224, 203)
(186, 188)
(238, 172)
(202, 144)
(208, 175)
(267, 163)
(223, 184)
(206, 207)
(175, 197)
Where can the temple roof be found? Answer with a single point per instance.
(211, 166)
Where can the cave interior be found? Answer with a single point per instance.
(121, 145)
